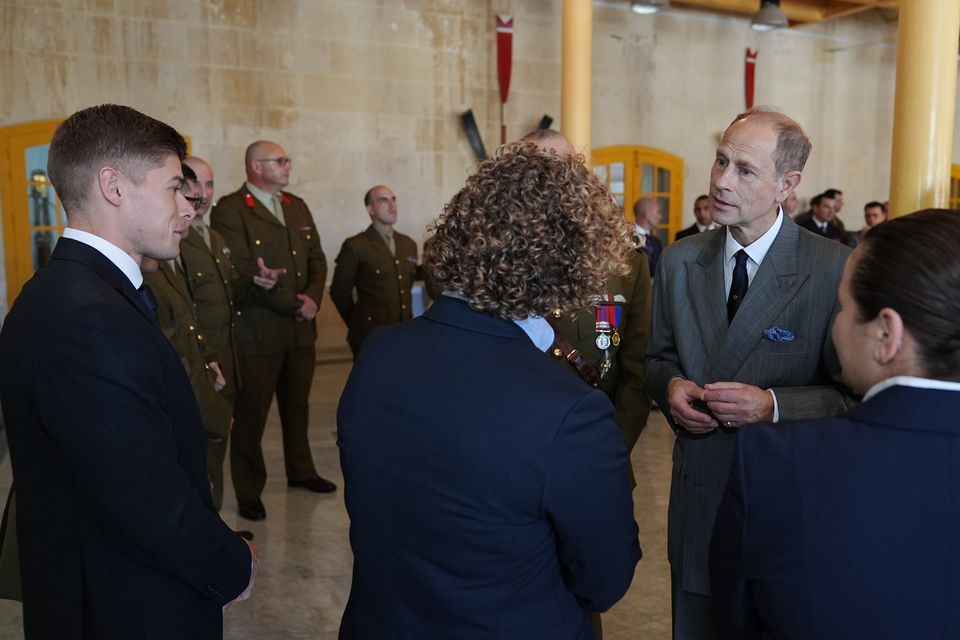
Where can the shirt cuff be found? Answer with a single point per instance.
(776, 407)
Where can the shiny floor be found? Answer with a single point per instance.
(303, 584)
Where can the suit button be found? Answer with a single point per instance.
(557, 353)
(378, 272)
(217, 260)
(308, 236)
(239, 313)
(404, 307)
(557, 313)
(190, 327)
(396, 262)
(199, 274)
(399, 277)
(256, 242)
(293, 252)
(298, 274)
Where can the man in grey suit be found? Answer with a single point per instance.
(740, 333)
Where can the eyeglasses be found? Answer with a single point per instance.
(282, 161)
(195, 201)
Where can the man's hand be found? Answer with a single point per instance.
(254, 567)
(736, 404)
(308, 308)
(681, 394)
(267, 278)
(219, 382)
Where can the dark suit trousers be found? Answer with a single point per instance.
(693, 616)
(288, 374)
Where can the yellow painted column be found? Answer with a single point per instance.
(575, 85)
(924, 105)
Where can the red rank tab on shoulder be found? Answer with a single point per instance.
(286, 199)
(248, 199)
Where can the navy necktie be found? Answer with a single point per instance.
(738, 286)
(149, 301)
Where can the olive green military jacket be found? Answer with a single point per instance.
(210, 278)
(381, 280)
(266, 321)
(624, 381)
(175, 312)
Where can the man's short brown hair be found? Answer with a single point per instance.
(793, 145)
(107, 135)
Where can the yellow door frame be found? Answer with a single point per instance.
(954, 187)
(17, 255)
(634, 158)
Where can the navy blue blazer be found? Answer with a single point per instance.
(847, 527)
(117, 531)
(488, 489)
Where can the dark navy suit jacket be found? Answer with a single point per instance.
(117, 531)
(847, 527)
(488, 489)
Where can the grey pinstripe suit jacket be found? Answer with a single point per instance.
(795, 289)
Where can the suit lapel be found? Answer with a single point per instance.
(73, 250)
(374, 237)
(176, 280)
(258, 208)
(774, 286)
(705, 284)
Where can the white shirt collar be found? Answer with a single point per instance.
(757, 249)
(111, 252)
(640, 230)
(537, 329)
(911, 381)
(706, 227)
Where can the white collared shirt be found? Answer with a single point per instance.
(911, 381)
(111, 252)
(756, 251)
(706, 227)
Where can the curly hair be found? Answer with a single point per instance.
(529, 233)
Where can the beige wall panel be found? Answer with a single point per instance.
(367, 91)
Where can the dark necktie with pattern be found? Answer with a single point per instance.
(738, 286)
(149, 301)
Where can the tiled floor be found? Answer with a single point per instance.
(305, 578)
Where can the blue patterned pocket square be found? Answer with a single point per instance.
(779, 335)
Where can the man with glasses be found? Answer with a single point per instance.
(271, 234)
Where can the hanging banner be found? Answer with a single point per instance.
(504, 65)
(749, 67)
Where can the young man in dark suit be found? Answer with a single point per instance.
(379, 266)
(118, 534)
(703, 213)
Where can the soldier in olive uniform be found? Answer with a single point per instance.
(205, 259)
(380, 265)
(271, 231)
(175, 313)
(612, 338)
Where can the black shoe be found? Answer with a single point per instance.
(315, 484)
(243, 533)
(251, 509)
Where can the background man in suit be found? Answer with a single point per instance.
(647, 214)
(740, 333)
(118, 534)
(271, 234)
(377, 266)
(205, 260)
(845, 528)
(824, 210)
(703, 212)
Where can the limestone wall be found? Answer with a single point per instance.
(361, 92)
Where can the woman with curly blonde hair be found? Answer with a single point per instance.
(488, 489)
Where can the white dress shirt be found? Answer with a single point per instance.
(111, 252)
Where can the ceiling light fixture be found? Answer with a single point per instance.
(769, 17)
(649, 6)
